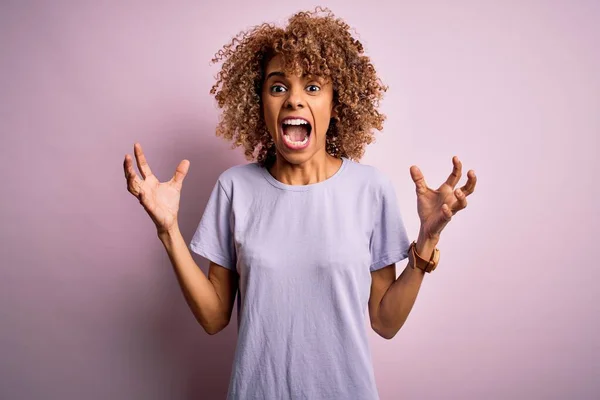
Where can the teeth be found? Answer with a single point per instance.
(294, 143)
(295, 122)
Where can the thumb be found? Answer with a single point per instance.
(181, 172)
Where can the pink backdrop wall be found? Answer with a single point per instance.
(90, 308)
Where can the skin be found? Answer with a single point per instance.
(392, 299)
(285, 95)
(211, 298)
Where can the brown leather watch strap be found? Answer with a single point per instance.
(419, 262)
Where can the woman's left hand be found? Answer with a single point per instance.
(437, 207)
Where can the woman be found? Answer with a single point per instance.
(307, 235)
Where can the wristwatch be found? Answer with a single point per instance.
(417, 261)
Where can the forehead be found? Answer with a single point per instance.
(277, 64)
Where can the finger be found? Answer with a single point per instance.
(133, 180)
(469, 187)
(461, 201)
(181, 172)
(456, 172)
(418, 179)
(141, 161)
(447, 213)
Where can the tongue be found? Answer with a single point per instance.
(297, 133)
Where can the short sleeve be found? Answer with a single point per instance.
(213, 238)
(389, 240)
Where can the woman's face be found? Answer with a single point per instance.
(297, 112)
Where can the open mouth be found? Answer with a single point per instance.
(296, 132)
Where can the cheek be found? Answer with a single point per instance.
(270, 115)
(322, 115)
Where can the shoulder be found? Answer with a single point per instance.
(243, 175)
(238, 172)
(368, 177)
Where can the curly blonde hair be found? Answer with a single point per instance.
(316, 45)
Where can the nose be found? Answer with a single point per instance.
(294, 100)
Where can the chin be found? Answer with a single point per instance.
(294, 158)
(297, 157)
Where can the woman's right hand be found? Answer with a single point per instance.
(160, 200)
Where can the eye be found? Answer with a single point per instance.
(314, 87)
(277, 89)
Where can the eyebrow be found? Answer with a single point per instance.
(284, 75)
(276, 73)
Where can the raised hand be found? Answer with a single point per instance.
(437, 207)
(159, 199)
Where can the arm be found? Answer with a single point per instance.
(392, 299)
(210, 299)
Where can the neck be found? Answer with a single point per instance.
(317, 169)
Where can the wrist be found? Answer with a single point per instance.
(168, 234)
(423, 254)
(425, 244)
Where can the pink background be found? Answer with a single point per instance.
(90, 307)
